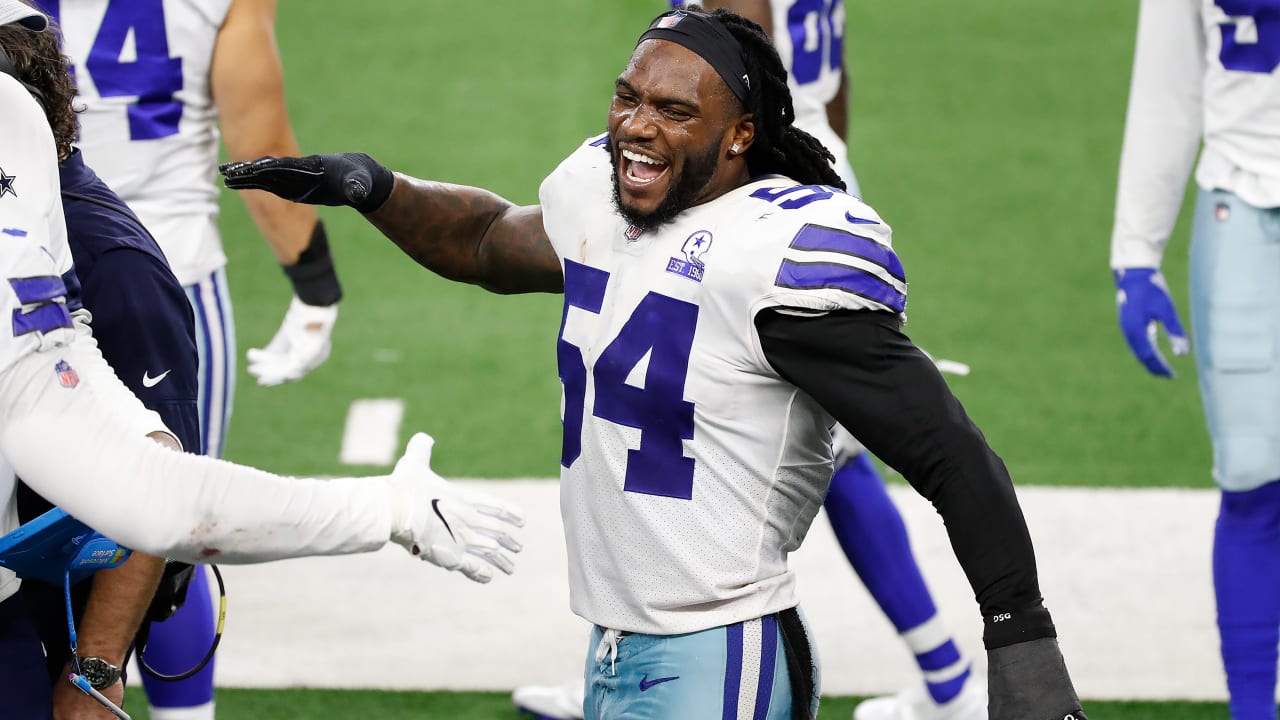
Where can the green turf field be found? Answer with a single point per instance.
(313, 704)
(986, 133)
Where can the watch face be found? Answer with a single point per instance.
(99, 672)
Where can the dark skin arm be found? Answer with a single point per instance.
(838, 108)
(470, 235)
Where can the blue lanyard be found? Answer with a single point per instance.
(76, 678)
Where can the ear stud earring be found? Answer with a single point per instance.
(734, 149)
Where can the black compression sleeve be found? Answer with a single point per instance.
(864, 371)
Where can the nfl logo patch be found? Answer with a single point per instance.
(633, 233)
(66, 374)
(671, 20)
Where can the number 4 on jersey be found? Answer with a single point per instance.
(661, 328)
(151, 75)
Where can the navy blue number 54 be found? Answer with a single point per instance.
(662, 328)
(152, 76)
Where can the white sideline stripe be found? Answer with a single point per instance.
(1126, 574)
(371, 435)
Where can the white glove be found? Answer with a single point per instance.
(446, 525)
(299, 346)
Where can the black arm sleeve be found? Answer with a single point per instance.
(864, 371)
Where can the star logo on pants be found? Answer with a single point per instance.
(6, 184)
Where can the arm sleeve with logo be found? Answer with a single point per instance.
(870, 377)
(1162, 130)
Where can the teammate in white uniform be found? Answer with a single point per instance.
(713, 327)
(157, 78)
(809, 37)
(1205, 81)
(72, 431)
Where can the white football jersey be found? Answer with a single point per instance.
(33, 257)
(1205, 71)
(149, 128)
(690, 469)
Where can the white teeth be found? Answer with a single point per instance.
(637, 157)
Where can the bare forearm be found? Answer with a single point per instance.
(116, 606)
(838, 109)
(470, 235)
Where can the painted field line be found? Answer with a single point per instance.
(372, 432)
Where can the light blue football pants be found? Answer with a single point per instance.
(732, 672)
(1235, 315)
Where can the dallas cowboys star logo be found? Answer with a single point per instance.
(6, 184)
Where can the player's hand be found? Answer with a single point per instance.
(446, 525)
(1029, 681)
(353, 179)
(70, 703)
(300, 345)
(1143, 302)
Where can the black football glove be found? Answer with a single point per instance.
(353, 179)
(1029, 681)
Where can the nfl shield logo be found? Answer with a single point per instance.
(633, 233)
(66, 374)
(671, 20)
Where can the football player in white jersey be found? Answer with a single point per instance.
(72, 431)
(158, 79)
(714, 326)
(1205, 81)
(809, 37)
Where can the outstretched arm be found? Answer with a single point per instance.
(462, 233)
(470, 235)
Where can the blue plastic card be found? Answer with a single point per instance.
(55, 542)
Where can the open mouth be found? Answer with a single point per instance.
(640, 169)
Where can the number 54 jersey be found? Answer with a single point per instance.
(149, 128)
(690, 468)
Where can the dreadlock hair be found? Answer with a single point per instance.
(779, 147)
(41, 66)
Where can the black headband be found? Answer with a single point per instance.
(710, 39)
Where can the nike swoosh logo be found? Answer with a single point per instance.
(646, 683)
(435, 506)
(860, 221)
(148, 381)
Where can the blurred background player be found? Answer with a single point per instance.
(1205, 76)
(158, 78)
(809, 37)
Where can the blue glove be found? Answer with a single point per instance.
(1142, 300)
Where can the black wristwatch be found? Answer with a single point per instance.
(100, 673)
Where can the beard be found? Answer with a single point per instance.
(693, 179)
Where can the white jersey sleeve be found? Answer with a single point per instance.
(34, 253)
(1162, 130)
(63, 438)
(1206, 72)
